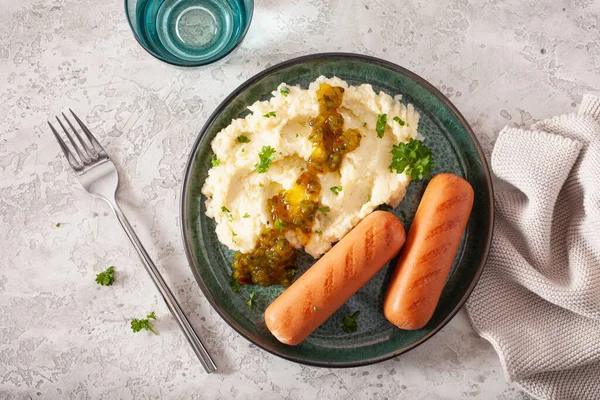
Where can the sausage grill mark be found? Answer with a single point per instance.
(433, 254)
(287, 317)
(307, 308)
(452, 202)
(349, 264)
(389, 233)
(369, 243)
(425, 280)
(418, 304)
(444, 228)
(328, 286)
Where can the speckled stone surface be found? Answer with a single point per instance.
(63, 336)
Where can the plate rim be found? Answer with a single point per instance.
(323, 56)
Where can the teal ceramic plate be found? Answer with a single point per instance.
(455, 150)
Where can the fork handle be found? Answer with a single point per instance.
(166, 293)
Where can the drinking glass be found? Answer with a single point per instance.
(189, 32)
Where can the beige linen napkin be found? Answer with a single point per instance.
(538, 300)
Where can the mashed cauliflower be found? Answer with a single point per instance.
(237, 194)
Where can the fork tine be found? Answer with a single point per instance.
(82, 157)
(89, 135)
(70, 158)
(90, 152)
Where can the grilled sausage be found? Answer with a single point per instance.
(326, 286)
(425, 261)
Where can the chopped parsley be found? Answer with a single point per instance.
(403, 214)
(336, 189)
(350, 324)
(315, 308)
(319, 232)
(284, 91)
(215, 161)
(412, 158)
(400, 121)
(107, 277)
(279, 224)
(246, 215)
(58, 224)
(265, 156)
(270, 114)
(139, 324)
(249, 302)
(226, 211)
(243, 139)
(381, 122)
(324, 209)
(364, 124)
(235, 284)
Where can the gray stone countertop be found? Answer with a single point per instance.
(62, 336)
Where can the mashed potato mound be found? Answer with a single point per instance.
(237, 194)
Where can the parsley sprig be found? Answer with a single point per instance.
(265, 156)
(139, 324)
(350, 324)
(413, 158)
(249, 302)
(380, 127)
(107, 277)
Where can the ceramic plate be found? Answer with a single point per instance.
(455, 150)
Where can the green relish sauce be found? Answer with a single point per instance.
(272, 262)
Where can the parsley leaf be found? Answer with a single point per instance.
(412, 158)
(381, 122)
(249, 302)
(58, 224)
(139, 324)
(315, 308)
(324, 209)
(215, 161)
(284, 91)
(400, 121)
(350, 324)
(235, 284)
(246, 215)
(319, 232)
(265, 156)
(106, 278)
(403, 214)
(279, 224)
(270, 114)
(364, 124)
(226, 211)
(243, 139)
(336, 189)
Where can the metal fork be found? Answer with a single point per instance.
(99, 177)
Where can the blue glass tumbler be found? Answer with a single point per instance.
(189, 32)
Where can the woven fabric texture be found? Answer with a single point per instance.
(538, 300)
